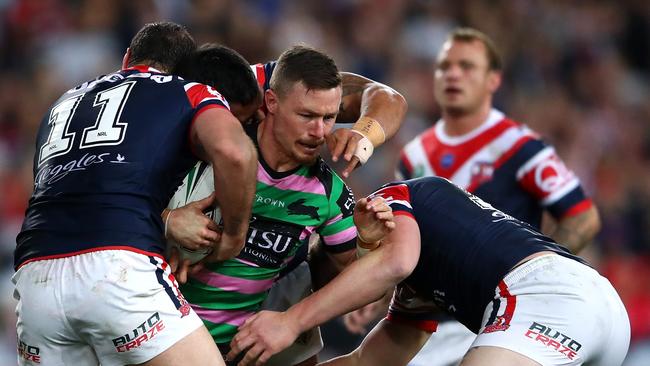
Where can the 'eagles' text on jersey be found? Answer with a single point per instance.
(109, 155)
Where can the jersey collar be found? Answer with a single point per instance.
(143, 68)
(493, 118)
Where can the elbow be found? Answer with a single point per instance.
(401, 102)
(398, 267)
(388, 96)
(400, 270)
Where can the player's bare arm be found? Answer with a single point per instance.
(364, 281)
(577, 231)
(378, 218)
(389, 343)
(232, 154)
(378, 111)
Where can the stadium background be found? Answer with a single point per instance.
(576, 71)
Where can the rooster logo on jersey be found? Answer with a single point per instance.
(481, 172)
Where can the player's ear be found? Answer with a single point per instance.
(271, 100)
(494, 80)
(125, 59)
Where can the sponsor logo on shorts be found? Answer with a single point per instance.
(554, 339)
(501, 324)
(141, 334)
(185, 307)
(29, 353)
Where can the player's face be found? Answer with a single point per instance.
(302, 119)
(248, 112)
(463, 81)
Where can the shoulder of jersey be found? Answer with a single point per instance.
(198, 93)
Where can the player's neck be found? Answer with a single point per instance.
(459, 124)
(271, 150)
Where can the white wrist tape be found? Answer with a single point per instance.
(363, 246)
(364, 148)
(167, 221)
(362, 251)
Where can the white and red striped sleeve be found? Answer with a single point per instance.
(556, 187)
(397, 196)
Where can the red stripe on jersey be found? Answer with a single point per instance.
(398, 192)
(403, 213)
(97, 249)
(260, 74)
(198, 93)
(407, 163)
(502, 159)
(579, 208)
(547, 176)
(429, 326)
(461, 155)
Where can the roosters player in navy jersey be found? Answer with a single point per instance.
(528, 299)
(91, 283)
(501, 161)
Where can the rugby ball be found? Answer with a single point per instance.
(197, 185)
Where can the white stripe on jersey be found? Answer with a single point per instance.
(416, 155)
(561, 192)
(189, 86)
(490, 153)
(535, 160)
(399, 202)
(494, 117)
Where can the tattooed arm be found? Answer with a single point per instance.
(576, 232)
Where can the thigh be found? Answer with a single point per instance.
(197, 348)
(490, 356)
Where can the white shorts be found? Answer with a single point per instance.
(113, 307)
(557, 311)
(292, 288)
(445, 347)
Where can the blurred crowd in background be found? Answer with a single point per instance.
(575, 71)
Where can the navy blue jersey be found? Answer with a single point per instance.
(503, 162)
(467, 246)
(109, 155)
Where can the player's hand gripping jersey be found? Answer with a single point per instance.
(288, 208)
(503, 162)
(104, 170)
